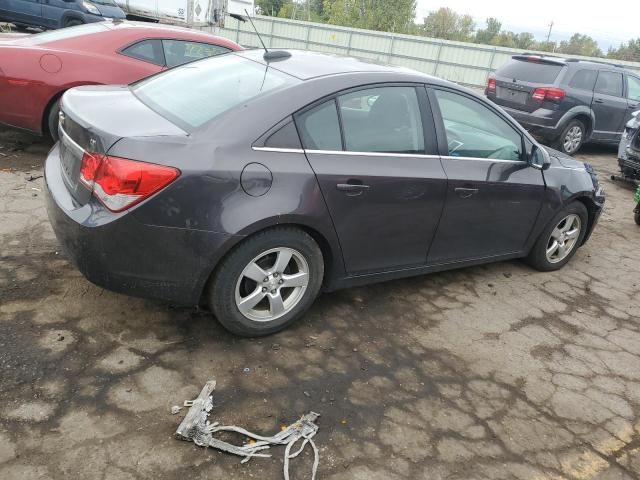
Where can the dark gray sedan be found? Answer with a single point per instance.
(249, 185)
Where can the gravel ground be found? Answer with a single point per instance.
(493, 372)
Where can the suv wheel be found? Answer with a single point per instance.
(560, 239)
(267, 282)
(572, 137)
(73, 22)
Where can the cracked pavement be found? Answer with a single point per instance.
(491, 372)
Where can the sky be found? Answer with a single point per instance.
(608, 26)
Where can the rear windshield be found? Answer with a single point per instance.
(198, 92)
(63, 34)
(530, 71)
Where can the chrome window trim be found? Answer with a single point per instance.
(370, 154)
(71, 141)
(279, 150)
(448, 157)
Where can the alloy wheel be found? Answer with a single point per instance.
(572, 139)
(272, 284)
(563, 238)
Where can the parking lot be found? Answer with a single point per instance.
(493, 372)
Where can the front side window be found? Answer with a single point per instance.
(179, 52)
(147, 51)
(382, 120)
(609, 83)
(196, 93)
(633, 88)
(474, 130)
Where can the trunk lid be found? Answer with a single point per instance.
(93, 119)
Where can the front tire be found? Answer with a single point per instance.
(73, 22)
(572, 137)
(636, 215)
(267, 282)
(560, 240)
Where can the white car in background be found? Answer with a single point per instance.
(188, 13)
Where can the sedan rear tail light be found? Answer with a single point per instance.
(491, 85)
(120, 183)
(550, 94)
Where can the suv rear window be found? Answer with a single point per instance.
(195, 93)
(532, 72)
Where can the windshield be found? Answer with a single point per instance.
(198, 92)
(530, 71)
(63, 34)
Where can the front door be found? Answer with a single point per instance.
(375, 157)
(28, 12)
(493, 195)
(609, 106)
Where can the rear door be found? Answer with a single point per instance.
(374, 153)
(493, 195)
(609, 106)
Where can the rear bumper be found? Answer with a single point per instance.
(119, 253)
(544, 126)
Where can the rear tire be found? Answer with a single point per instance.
(565, 232)
(52, 121)
(273, 277)
(572, 137)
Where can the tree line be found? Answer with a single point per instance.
(398, 16)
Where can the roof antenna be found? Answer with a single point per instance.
(272, 55)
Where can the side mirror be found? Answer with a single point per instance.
(539, 158)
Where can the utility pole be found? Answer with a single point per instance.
(549, 34)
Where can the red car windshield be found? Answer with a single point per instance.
(62, 34)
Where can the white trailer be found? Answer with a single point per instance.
(189, 13)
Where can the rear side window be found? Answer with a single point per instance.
(384, 120)
(179, 52)
(530, 71)
(320, 127)
(147, 51)
(584, 79)
(194, 94)
(609, 83)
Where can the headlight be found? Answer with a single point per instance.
(91, 8)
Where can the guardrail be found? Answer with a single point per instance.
(465, 63)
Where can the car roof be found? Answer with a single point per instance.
(557, 60)
(305, 65)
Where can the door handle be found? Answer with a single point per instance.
(352, 189)
(599, 100)
(466, 192)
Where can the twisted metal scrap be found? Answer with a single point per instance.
(196, 427)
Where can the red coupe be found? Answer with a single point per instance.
(35, 70)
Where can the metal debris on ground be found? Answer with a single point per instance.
(197, 428)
